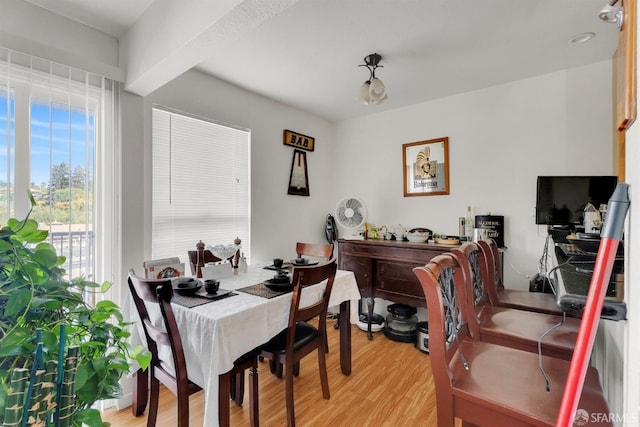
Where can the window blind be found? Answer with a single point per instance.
(59, 139)
(200, 184)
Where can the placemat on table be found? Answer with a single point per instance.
(261, 290)
(196, 300)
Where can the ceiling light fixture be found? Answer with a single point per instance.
(581, 38)
(373, 90)
(612, 13)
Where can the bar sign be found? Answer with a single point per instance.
(298, 140)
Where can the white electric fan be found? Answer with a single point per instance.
(351, 214)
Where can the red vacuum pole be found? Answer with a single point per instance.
(609, 238)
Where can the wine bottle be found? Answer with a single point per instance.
(468, 225)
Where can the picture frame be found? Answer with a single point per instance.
(299, 177)
(425, 167)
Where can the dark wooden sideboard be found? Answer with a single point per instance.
(384, 268)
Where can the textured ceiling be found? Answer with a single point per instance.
(306, 53)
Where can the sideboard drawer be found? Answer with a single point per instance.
(384, 268)
(396, 281)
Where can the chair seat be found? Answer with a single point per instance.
(522, 329)
(305, 333)
(519, 392)
(247, 357)
(531, 301)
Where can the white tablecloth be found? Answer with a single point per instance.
(215, 334)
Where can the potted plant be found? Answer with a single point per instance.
(34, 295)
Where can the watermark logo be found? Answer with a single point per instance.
(581, 418)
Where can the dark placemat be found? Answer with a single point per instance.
(262, 291)
(196, 300)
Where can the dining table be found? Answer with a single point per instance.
(215, 332)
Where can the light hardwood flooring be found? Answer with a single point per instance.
(390, 385)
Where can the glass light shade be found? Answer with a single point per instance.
(379, 101)
(377, 91)
(363, 93)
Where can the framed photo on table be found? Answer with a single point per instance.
(425, 167)
(299, 178)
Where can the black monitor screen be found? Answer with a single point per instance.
(560, 200)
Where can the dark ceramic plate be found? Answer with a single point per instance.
(220, 294)
(303, 262)
(278, 285)
(272, 267)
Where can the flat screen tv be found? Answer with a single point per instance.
(560, 200)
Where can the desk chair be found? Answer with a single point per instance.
(513, 298)
(300, 338)
(507, 326)
(485, 384)
(159, 293)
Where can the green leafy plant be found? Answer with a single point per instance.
(35, 295)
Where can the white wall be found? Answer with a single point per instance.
(31, 29)
(629, 343)
(500, 139)
(278, 220)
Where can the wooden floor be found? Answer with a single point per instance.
(390, 385)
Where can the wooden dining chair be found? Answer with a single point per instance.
(486, 384)
(520, 329)
(500, 296)
(160, 293)
(317, 250)
(201, 256)
(300, 338)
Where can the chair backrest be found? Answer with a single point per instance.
(494, 270)
(474, 267)
(302, 278)
(442, 281)
(159, 293)
(314, 249)
(202, 256)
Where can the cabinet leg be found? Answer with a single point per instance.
(370, 303)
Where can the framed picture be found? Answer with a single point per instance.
(425, 167)
(299, 178)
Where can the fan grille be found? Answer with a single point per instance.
(351, 212)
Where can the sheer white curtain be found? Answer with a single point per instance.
(59, 138)
(200, 184)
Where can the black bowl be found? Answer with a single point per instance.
(186, 285)
(279, 284)
(211, 286)
(280, 278)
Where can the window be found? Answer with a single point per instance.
(53, 122)
(200, 184)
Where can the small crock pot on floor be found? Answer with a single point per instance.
(422, 337)
(401, 323)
